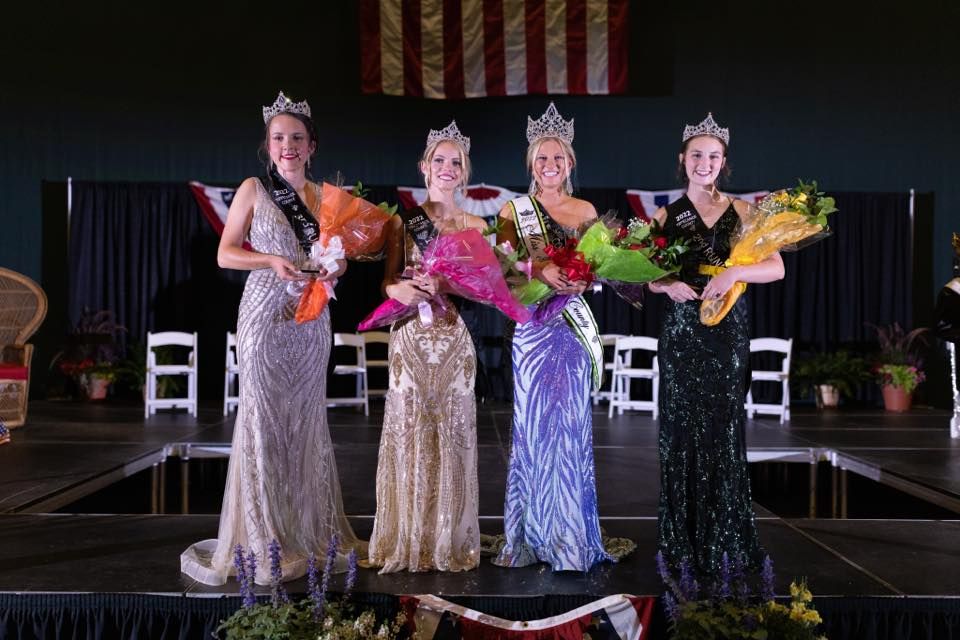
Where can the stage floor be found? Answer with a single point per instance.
(70, 450)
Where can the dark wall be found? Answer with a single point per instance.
(862, 101)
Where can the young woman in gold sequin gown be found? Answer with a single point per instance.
(427, 490)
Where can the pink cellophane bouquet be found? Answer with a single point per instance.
(466, 266)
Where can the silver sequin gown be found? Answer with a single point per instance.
(282, 480)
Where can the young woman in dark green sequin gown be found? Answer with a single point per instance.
(705, 503)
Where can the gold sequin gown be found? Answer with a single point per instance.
(282, 479)
(427, 491)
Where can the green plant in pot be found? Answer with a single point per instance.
(899, 369)
(830, 375)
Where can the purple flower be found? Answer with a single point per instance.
(351, 571)
(662, 570)
(251, 579)
(670, 606)
(240, 565)
(766, 580)
(328, 567)
(689, 589)
(278, 594)
(726, 590)
(313, 587)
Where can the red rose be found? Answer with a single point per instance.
(660, 241)
(622, 233)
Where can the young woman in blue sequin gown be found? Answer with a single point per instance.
(550, 509)
(705, 503)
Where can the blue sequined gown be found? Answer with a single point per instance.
(705, 503)
(550, 509)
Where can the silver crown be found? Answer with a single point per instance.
(708, 127)
(283, 104)
(450, 132)
(550, 125)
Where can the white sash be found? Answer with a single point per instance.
(532, 231)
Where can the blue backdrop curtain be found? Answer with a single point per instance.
(145, 251)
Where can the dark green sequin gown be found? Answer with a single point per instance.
(705, 503)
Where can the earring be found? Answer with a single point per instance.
(569, 185)
(534, 187)
(308, 163)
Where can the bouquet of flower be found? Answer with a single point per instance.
(466, 266)
(622, 256)
(350, 227)
(729, 611)
(784, 220)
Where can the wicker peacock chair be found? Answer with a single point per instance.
(23, 306)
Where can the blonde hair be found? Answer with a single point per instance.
(427, 158)
(571, 157)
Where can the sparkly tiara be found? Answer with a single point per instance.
(283, 104)
(550, 125)
(451, 132)
(708, 127)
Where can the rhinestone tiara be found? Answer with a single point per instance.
(708, 127)
(450, 132)
(550, 125)
(283, 104)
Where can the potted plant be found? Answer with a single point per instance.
(92, 355)
(899, 369)
(830, 375)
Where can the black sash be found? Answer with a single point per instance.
(304, 225)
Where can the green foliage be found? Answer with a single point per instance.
(904, 376)
(295, 621)
(732, 619)
(898, 346)
(361, 192)
(839, 369)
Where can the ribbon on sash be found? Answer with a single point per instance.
(528, 217)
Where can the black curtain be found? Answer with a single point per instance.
(145, 251)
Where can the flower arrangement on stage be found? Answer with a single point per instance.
(316, 617)
(899, 369)
(92, 356)
(621, 256)
(729, 610)
(784, 220)
(465, 265)
(904, 376)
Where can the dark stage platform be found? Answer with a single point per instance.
(889, 569)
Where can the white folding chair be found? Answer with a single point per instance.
(782, 376)
(359, 370)
(178, 339)
(607, 340)
(624, 373)
(231, 375)
(378, 337)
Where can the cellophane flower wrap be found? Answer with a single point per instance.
(622, 256)
(467, 267)
(784, 220)
(350, 227)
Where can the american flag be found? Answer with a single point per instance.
(475, 48)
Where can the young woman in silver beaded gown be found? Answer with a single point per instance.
(282, 480)
(705, 504)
